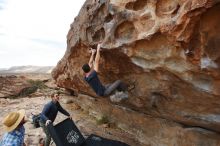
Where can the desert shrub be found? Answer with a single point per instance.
(11, 96)
(35, 84)
(102, 120)
(28, 90)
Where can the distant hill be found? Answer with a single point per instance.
(27, 69)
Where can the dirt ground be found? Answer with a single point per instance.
(86, 123)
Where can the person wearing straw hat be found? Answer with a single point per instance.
(14, 126)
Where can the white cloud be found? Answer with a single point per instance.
(33, 32)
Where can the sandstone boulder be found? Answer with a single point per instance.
(169, 48)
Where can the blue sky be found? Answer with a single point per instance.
(33, 32)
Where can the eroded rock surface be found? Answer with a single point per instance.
(170, 48)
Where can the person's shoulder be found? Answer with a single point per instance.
(50, 103)
(22, 128)
(57, 103)
(10, 139)
(93, 72)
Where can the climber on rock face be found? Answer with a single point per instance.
(92, 78)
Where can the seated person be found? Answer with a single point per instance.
(15, 131)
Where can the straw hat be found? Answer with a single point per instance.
(13, 119)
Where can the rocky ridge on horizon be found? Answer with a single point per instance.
(27, 69)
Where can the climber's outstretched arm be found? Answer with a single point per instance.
(91, 60)
(97, 58)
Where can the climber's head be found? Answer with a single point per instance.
(86, 68)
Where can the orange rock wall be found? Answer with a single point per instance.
(170, 48)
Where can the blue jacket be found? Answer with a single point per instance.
(50, 111)
(95, 83)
